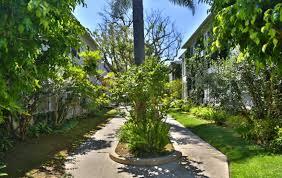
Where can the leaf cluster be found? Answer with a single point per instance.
(253, 25)
(143, 89)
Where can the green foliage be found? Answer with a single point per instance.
(253, 25)
(203, 112)
(260, 131)
(263, 113)
(115, 36)
(32, 32)
(175, 89)
(276, 144)
(177, 104)
(114, 39)
(6, 143)
(90, 61)
(240, 124)
(115, 112)
(142, 84)
(185, 3)
(198, 77)
(183, 105)
(220, 117)
(36, 62)
(40, 128)
(263, 131)
(143, 88)
(242, 70)
(245, 159)
(145, 137)
(208, 113)
(1, 173)
(186, 107)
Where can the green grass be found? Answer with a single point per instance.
(245, 159)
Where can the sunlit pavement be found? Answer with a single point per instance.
(91, 160)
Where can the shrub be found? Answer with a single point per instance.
(186, 107)
(266, 132)
(276, 144)
(263, 131)
(243, 125)
(240, 124)
(175, 89)
(203, 112)
(181, 105)
(143, 88)
(40, 128)
(149, 136)
(209, 113)
(6, 143)
(219, 117)
(177, 104)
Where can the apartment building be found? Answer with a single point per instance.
(50, 104)
(203, 32)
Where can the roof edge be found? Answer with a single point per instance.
(205, 23)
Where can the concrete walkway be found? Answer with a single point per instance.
(91, 160)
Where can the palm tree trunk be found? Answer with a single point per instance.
(138, 28)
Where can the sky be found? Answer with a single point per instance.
(184, 20)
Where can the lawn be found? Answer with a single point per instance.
(245, 159)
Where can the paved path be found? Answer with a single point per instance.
(91, 160)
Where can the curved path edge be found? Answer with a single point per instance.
(199, 159)
(176, 155)
(202, 155)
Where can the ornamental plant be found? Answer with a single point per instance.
(142, 88)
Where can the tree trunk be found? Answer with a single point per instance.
(138, 28)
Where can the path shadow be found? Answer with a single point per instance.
(90, 145)
(184, 168)
(187, 137)
(235, 148)
(113, 135)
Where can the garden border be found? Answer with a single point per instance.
(174, 156)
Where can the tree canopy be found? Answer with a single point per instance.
(35, 50)
(253, 25)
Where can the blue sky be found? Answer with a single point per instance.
(185, 22)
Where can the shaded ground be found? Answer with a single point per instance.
(92, 158)
(44, 156)
(246, 159)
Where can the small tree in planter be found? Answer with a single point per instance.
(143, 88)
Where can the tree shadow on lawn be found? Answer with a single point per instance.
(184, 168)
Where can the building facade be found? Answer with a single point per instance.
(50, 105)
(197, 45)
(175, 68)
(204, 33)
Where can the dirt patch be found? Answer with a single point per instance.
(123, 150)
